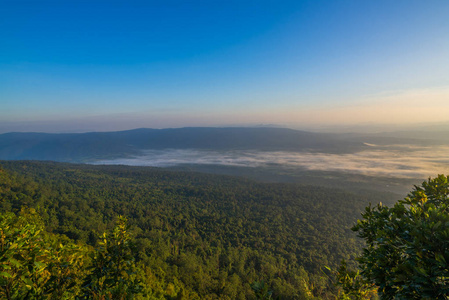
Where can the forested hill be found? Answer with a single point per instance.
(210, 236)
(103, 145)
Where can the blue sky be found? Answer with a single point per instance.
(111, 65)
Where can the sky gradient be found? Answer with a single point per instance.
(113, 65)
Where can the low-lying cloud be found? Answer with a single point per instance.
(392, 161)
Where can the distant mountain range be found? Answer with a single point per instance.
(83, 147)
(87, 147)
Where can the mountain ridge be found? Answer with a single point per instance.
(80, 147)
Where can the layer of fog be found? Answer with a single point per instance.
(392, 161)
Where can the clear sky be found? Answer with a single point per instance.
(112, 65)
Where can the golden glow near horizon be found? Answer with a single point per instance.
(400, 108)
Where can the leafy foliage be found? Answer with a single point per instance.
(34, 264)
(37, 265)
(407, 245)
(195, 236)
(110, 275)
(352, 285)
(262, 290)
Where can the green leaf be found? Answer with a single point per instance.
(5, 274)
(15, 262)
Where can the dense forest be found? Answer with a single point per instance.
(195, 236)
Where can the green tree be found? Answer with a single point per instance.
(262, 290)
(35, 264)
(351, 284)
(111, 275)
(407, 245)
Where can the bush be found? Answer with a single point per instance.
(407, 245)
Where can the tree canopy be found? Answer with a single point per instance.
(193, 235)
(407, 245)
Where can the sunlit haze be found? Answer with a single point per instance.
(74, 66)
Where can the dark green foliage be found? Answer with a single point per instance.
(200, 236)
(262, 290)
(407, 245)
(352, 285)
(111, 273)
(35, 264)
